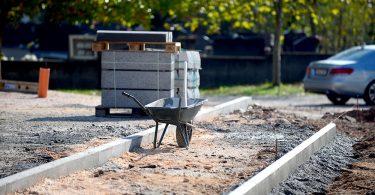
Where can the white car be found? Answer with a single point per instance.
(350, 73)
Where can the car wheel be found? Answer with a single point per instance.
(338, 99)
(369, 95)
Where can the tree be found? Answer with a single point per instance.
(276, 62)
(13, 10)
(340, 23)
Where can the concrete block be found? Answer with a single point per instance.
(82, 160)
(146, 137)
(3, 188)
(225, 108)
(114, 98)
(137, 80)
(105, 153)
(120, 146)
(108, 56)
(138, 66)
(263, 182)
(140, 57)
(26, 178)
(134, 36)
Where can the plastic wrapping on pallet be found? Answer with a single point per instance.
(192, 80)
(134, 36)
(191, 57)
(191, 93)
(191, 75)
(190, 88)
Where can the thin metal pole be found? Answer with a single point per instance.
(156, 133)
(162, 135)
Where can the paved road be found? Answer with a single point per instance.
(313, 106)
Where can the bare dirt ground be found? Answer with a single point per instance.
(223, 154)
(355, 120)
(359, 178)
(35, 130)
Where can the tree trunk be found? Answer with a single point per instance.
(312, 24)
(276, 58)
(339, 33)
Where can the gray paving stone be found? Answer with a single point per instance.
(108, 56)
(141, 57)
(138, 80)
(138, 66)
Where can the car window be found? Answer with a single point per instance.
(354, 54)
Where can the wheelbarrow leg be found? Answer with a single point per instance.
(187, 137)
(162, 135)
(156, 134)
(184, 135)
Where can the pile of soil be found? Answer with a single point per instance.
(359, 178)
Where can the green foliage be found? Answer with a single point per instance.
(94, 92)
(266, 89)
(340, 23)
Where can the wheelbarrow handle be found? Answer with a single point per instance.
(139, 103)
(127, 95)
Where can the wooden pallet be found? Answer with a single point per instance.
(101, 111)
(171, 47)
(20, 86)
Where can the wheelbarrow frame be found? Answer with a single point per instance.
(165, 111)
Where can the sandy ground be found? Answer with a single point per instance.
(223, 154)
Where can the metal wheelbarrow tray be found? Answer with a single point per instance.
(169, 111)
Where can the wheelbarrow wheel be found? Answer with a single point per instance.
(180, 138)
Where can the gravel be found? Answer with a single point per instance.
(35, 131)
(314, 176)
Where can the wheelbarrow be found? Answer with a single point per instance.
(169, 111)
